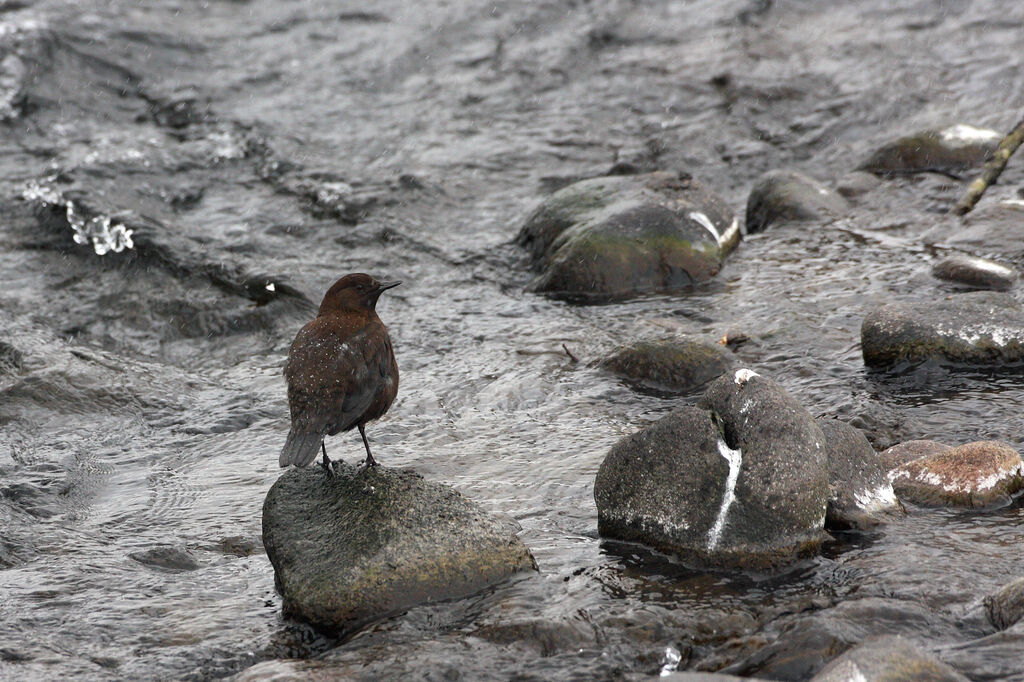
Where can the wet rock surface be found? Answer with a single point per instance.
(616, 237)
(167, 558)
(979, 273)
(978, 328)
(888, 658)
(957, 147)
(980, 474)
(1006, 606)
(860, 494)
(368, 543)
(787, 196)
(905, 452)
(696, 483)
(676, 364)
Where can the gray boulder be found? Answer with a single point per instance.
(980, 474)
(955, 148)
(860, 495)
(1006, 606)
(677, 364)
(979, 273)
(977, 328)
(887, 659)
(738, 481)
(367, 543)
(991, 228)
(615, 237)
(787, 196)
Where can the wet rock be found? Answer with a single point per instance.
(955, 148)
(786, 196)
(901, 453)
(980, 474)
(238, 545)
(888, 658)
(167, 558)
(977, 328)
(678, 364)
(860, 495)
(615, 237)
(546, 637)
(739, 480)
(11, 359)
(857, 183)
(980, 273)
(991, 228)
(1006, 606)
(368, 543)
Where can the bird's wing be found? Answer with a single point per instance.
(346, 380)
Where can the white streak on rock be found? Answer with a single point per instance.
(271, 287)
(735, 460)
(879, 499)
(706, 223)
(964, 134)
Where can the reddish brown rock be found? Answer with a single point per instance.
(901, 453)
(980, 474)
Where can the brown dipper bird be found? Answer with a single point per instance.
(341, 370)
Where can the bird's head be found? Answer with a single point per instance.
(354, 292)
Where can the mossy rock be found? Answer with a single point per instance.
(616, 237)
(955, 148)
(786, 196)
(367, 543)
(676, 364)
(980, 328)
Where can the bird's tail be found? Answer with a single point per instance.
(300, 448)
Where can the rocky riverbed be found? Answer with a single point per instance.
(180, 182)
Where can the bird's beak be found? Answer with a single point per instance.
(387, 285)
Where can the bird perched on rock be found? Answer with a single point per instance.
(341, 370)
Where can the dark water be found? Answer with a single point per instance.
(249, 144)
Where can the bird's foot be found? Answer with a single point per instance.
(370, 462)
(327, 465)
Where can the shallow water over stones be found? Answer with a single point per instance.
(258, 150)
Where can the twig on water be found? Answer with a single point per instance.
(572, 358)
(993, 167)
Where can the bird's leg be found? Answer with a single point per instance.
(326, 463)
(370, 462)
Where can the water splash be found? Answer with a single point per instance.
(101, 231)
(672, 658)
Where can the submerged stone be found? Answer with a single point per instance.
(1006, 606)
(975, 272)
(887, 659)
(167, 558)
(788, 196)
(367, 543)
(901, 453)
(860, 494)
(738, 481)
(619, 236)
(955, 148)
(678, 364)
(977, 328)
(980, 474)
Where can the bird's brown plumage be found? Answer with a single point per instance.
(341, 369)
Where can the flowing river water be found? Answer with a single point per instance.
(233, 158)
